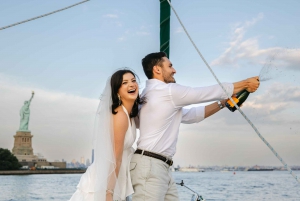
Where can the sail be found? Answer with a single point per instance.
(165, 12)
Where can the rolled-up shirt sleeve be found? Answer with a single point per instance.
(183, 95)
(193, 115)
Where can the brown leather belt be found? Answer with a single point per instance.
(153, 155)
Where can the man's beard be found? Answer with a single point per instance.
(169, 78)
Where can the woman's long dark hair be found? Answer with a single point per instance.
(115, 83)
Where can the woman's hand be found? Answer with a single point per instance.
(109, 197)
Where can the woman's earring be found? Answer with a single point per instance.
(119, 99)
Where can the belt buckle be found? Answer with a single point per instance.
(169, 160)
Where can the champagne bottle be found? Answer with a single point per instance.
(239, 99)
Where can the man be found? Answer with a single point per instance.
(160, 118)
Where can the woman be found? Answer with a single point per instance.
(108, 178)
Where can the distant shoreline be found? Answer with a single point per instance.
(52, 171)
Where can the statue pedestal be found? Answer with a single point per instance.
(23, 146)
(24, 152)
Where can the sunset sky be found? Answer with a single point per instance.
(66, 58)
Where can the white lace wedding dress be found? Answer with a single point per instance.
(84, 192)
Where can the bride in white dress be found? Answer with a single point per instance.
(108, 178)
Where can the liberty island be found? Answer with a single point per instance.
(23, 144)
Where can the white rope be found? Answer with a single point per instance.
(248, 120)
(15, 24)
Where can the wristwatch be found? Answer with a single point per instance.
(220, 105)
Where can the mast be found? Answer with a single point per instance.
(165, 12)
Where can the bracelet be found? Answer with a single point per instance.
(109, 191)
(220, 105)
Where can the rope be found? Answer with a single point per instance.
(248, 120)
(15, 24)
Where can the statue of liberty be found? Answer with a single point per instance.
(24, 114)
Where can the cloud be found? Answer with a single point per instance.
(276, 107)
(271, 37)
(227, 138)
(143, 33)
(274, 104)
(57, 119)
(179, 30)
(111, 16)
(118, 24)
(120, 39)
(85, 8)
(242, 50)
(114, 19)
(143, 30)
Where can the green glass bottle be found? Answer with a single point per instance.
(239, 99)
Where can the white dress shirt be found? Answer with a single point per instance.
(163, 112)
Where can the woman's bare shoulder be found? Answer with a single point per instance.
(120, 119)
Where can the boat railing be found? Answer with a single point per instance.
(195, 196)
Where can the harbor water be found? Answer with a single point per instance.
(217, 186)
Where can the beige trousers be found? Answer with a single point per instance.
(152, 180)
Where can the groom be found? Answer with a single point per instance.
(160, 118)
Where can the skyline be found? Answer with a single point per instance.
(66, 58)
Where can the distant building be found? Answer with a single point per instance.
(76, 164)
(92, 155)
(82, 161)
(88, 163)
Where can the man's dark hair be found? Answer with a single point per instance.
(151, 60)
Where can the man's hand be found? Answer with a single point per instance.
(253, 84)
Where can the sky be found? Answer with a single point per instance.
(67, 57)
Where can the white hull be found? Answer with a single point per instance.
(190, 170)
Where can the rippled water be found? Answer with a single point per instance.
(219, 186)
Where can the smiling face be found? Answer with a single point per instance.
(128, 90)
(168, 71)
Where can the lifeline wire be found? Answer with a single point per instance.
(42, 15)
(248, 120)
